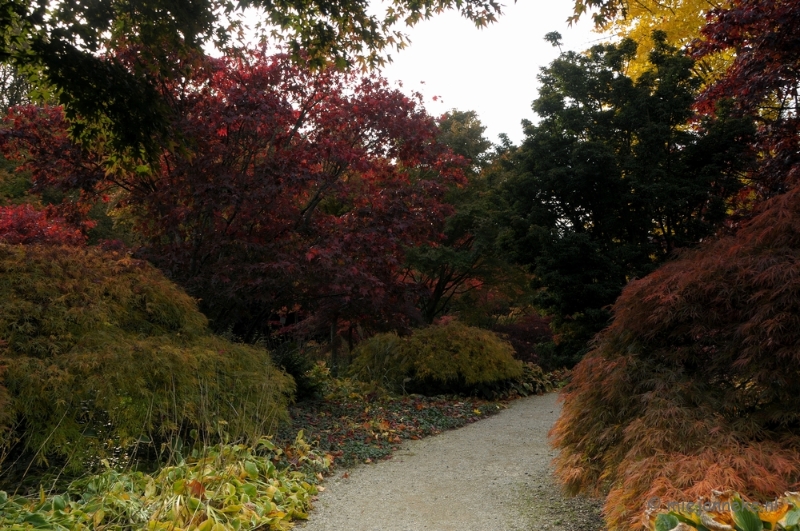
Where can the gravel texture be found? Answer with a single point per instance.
(493, 475)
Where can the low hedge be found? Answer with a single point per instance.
(448, 358)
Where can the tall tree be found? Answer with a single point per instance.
(13, 88)
(613, 179)
(762, 82)
(467, 258)
(680, 20)
(70, 47)
(299, 193)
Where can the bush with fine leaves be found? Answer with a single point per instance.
(448, 358)
(695, 385)
(100, 351)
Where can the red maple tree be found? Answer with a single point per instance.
(24, 224)
(762, 81)
(290, 190)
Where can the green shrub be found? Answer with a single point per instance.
(438, 359)
(298, 362)
(101, 351)
(533, 381)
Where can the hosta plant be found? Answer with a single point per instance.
(219, 488)
(725, 511)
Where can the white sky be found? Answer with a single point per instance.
(491, 70)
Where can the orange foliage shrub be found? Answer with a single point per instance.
(696, 384)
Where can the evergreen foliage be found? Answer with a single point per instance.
(694, 386)
(612, 180)
(100, 351)
(443, 358)
(467, 258)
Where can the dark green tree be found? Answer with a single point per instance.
(615, 177)
(13, 88)
(463, 132)
(467, 258)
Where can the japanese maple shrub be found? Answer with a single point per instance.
(26, 224)
(100, 351)
(438, 359)
(694, 386)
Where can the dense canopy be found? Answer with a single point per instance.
(72, 49)
(297, 191)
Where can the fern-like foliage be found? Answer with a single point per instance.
(99, 351)
(695, 384)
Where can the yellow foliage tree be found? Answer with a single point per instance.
(681, 20)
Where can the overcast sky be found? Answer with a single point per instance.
(491, 70)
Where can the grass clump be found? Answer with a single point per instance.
(447, 358)
(100, 352)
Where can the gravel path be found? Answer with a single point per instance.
(493, 475)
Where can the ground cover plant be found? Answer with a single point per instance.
(725, 511)
(267, 485)
(225, 487)
(357, 421)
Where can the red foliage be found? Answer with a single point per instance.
(762, 81)
(23, 224)
(694, 386)
(524, 334)
(37, 139)
(298, 190)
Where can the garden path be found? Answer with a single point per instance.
(493, 475)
